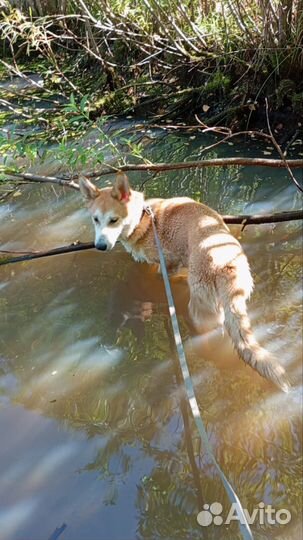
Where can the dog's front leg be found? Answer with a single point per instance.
(172, 267)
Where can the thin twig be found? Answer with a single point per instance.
(278, 148)
(18, 73)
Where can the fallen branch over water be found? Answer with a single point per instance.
(219, 162)
(46, 179)
(257, 219)
(7, 257)
(161, 167)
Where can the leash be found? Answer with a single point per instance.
(189, 387)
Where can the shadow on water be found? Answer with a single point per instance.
(95, 430)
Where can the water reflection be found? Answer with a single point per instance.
(96, 433)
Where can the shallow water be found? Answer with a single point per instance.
(95, 433)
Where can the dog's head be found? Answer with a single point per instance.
(115, 211)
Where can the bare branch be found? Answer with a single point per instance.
(278, 148)
(29, 255)
(256, 219)
(161, 167)
(46, 179)
(19, 256)
(218, 162)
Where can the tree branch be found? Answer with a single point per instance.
(218, 162)
(256, 219)
(29, 255)
(161, 167)
(246, 219)
(46, 179)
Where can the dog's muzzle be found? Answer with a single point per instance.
(102, 246)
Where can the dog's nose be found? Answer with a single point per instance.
(101, 246)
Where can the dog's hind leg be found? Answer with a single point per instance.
(206, 313)
(203, 306)
(207, 318)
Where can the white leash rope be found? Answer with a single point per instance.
(243, 524)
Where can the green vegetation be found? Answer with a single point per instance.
(163, 56)
(79, 62)
(67, 136)
(171, 61)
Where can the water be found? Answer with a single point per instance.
(95, 432)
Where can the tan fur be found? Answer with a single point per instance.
(192, 235)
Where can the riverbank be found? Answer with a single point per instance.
(206, 63)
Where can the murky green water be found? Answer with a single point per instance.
(94, 432)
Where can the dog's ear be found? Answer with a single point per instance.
(121, 188)
(87, 188)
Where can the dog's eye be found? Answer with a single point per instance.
(96, 220)
(113, 220)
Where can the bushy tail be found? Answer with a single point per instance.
(239, 329)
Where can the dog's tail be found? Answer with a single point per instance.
(239, 328)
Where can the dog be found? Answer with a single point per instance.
(194, 236)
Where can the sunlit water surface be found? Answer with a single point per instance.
(94, 432)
